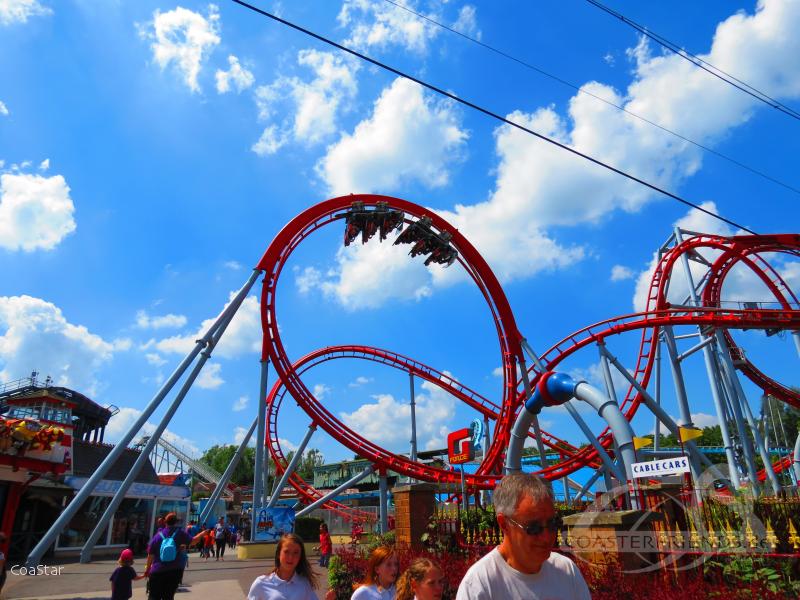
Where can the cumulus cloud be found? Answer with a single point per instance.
(3, 109)
(183, 39)
(313, 106)
(377, 24)
(154, 359)
(145, 321)
(242, 336)
(359, 381)
(44, 165)
(621, 273)
(387, 421)
(539, 187)
(236, 77)
(240, 405)
(36, 335)
(209, 378)
(18, 11)
(320, 391)
(467, 22)
(426, 140)
(121, 422)
(35, 212)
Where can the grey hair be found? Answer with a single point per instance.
(509, 492)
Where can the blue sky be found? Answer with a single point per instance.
(150, 151)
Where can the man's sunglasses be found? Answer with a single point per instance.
(537, 527)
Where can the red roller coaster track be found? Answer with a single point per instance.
(660, 313)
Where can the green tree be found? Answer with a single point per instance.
(219, 457)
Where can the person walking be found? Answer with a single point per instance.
(123, 577)
(325, 545)
(382, 569)
(523, 566)
(164, 559)
(220, 535)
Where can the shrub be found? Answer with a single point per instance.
(308, 528)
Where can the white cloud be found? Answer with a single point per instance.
(307, 279)
(144, 321)
(126, 417)
(242, 336)
(122, 344)
(183, 39)
(359, 381)
(3, 109)
(320, 391)
(704, 420)
(426, 139)
(621, 273)
(38, 336)
(467, 22)
(377, 24)
(286, 445)
(233, 265)
(238, 436)
(209, 378)
(240, 405)
(236, 76)
(35, 212)
(313, 106)
(18, 11)
(387, 421)
(44, 165)
(155, 359)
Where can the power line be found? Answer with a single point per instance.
(699, 62)
(580, 90)
(489, 113)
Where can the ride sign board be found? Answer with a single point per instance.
(659, 468)
(459, 446)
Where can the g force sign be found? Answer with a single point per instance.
(459, 446)
(657, 468)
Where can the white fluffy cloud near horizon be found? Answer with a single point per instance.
(36, 212)
(121, 422)
(539, 187)
(183, 39)
(18, 11)
(37, 336)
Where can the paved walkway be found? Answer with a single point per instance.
(230, 579)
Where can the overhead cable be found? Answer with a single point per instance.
(582, 90)
(699, 62)
(489, 113)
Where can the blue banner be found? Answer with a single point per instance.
(272, 523)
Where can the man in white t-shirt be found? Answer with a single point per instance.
(522, 566)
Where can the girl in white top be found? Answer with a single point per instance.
(423, 580)
(292, 578)
(382, 571)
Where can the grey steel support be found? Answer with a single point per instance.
(610, 391)
(677, 378)
(796, 337)
(464, 498)
(226, 476)
(384, 501)
(144, 455)
(333, 493)
(729, 391)
(730, 372)
(413, 419)
(610, 467)
(261, 427)
(532, 355)
(713, 375)
(292, 465)
(586, 486)
(537, 431)
(699, 346)
(49, 538)
(565, 482)
(796, 458)
(656, 423)
(695, 456)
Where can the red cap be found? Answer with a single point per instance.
(126, 555)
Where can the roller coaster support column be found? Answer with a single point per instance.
(226, 476)
(730, 373)
(259, 485)
(333, 493)
(610, 467)
(796, 458)
(298, 454)
(585, 489)
(144, 455)
(677, 379)
(413, 419)
(796, 336)
(384, 500)
(535, 420)
(49, 538)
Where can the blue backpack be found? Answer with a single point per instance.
(168, 551)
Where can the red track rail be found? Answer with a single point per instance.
(659, 313)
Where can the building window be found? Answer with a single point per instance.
(83, 523)
(131, 522)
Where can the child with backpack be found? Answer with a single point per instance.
(123, 577)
